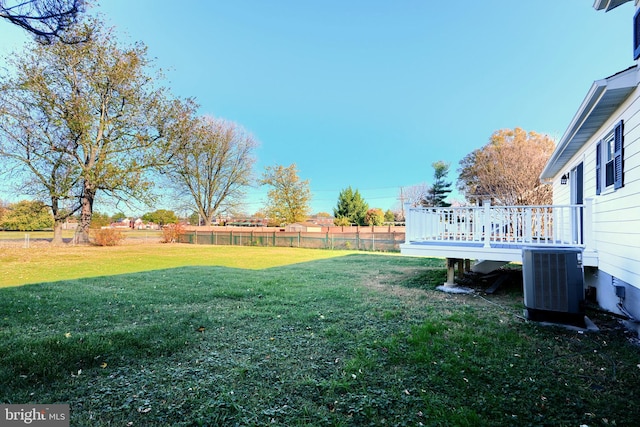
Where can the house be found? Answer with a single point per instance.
(322, 221)
(247, 222)
(595, 174)
(305, 227)
(122, 224)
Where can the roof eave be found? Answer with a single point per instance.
(603, 98)
(607, 5)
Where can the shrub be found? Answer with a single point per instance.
(374, 216)
(107, 237)
(342, 221)
(171, 232)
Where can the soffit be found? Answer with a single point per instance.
(607, 5)
(602, 100)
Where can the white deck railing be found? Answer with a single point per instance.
(519, 225)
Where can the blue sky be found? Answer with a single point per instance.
(369, 94)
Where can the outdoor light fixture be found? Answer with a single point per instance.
(564, 179)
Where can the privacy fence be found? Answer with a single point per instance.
(360, 239)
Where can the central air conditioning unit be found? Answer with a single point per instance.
(553, 285)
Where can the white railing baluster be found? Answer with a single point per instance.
(531, 225)
(555, 226)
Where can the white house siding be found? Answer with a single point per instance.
(616, 219)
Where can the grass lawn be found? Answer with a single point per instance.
(193, 335)
(20, 265)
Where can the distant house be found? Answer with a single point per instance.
(305, 227)
(324, 221)
(595, 174)
(247, 222)
(124, 223)
(130, 223)
(139, 224)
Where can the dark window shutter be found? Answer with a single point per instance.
(598, 168)
(617, 156)
(636, 35)
(579, 177)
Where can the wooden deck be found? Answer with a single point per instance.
(497, 233)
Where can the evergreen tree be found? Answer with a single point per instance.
(351, 206)
(440, 189)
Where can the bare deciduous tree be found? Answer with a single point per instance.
(212, 163)
(415, 195)
(508, 168)
(45, 19)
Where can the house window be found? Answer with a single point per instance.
(609, 171)
(609, 150)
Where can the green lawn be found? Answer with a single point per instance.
(281, 336)
(20, 265)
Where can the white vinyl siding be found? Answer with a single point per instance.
(616, 225)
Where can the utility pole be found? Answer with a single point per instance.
(401, 198)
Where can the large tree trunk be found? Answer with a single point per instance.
(57, 223)
(57, 233)
(86, 210)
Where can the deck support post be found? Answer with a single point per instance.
(452, 263)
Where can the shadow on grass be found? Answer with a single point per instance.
(53, 330)
(312, 343)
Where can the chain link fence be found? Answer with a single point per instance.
(359, 240)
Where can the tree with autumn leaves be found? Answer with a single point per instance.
(507, 169)
(288, 196)
(82, 119)
(86, 121)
